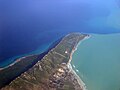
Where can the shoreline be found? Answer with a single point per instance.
(70, 44)
(79, 80)
(16, 61)
(53, 45)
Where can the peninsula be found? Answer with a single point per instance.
(53, 71)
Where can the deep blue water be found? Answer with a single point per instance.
(32, 25)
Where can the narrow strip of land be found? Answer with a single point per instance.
(52, 72)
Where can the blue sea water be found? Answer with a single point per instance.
(28, 26)
(97, 62)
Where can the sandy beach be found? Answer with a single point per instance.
(79, 80)
(81, 83)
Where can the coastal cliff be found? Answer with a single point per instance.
(53, 71)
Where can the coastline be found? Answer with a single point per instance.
(79, 80)
(21, 65)
(52, 46)
(16, 61)
(69, 44)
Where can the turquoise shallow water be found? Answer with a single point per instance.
(97, 62)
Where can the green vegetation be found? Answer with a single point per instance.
(41, 75)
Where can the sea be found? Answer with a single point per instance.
(97, 62)
(31, 26)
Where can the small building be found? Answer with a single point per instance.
(61, 70)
